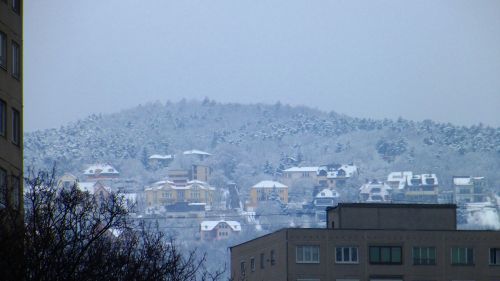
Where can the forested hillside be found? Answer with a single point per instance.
(250, 142)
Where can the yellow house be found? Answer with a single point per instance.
(167, 193)
(267, 191)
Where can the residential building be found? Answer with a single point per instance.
(219, 230)
(469, 189)
(421, 189)
(11, 139)
(178, 176)
(100, 172)
(268, 191)
(370, 242)
(158, 160)
(333, 175)
(197, 154)
(299, 173)
(375, 191)
(322, 200)
(67, 180)
(167, 192)
(408, 187)
(95, 188)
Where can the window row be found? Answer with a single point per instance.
(392, 255)
(262, 261)
(15, 56)
(15, 123)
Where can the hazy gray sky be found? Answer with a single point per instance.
(416, 59)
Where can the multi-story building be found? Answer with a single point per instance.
(11, 140)
(375, 241)
(299, 173)
(375, 191)
(11, 105)
(200, 172)
(413, 188)
(267, 191)
(469, 189)
(333, 175)
(164, 193)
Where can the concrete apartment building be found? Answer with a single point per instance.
(11, 103)
(11, 140)
(373, 241)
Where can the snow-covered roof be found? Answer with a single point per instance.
(196, 152)
(210, 225)
(334, 170)
(161, 157)
(171, 185)
(327, 193)
(465, 180)
(399, 176)
(96, 169)
(378, 187)
(302, 169)
(269, 184)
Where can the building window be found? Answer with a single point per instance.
(3, 50)
(494, 256)
(16, 187)
(16, 127)
(261, 260)
(346, 255)
(242, 268)
(273, 261)
(3, 188)
(462, 256)
(16, 6)
(16, 60)
(252, 264)
(385, 255)
(307, 254)
(424, 255)
(3, 118)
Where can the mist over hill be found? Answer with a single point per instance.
(251, 142)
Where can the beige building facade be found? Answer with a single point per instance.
(373, 242)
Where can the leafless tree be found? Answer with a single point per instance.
(73, 235)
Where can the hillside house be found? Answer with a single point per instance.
(469, 189)
(324, 199)
(375, 191)
(268, 191)
(100, 172)
(299, 173)
(197, 154)
(333, 175)
(167, 192)
(158, 160)
(218, 230)
(67, 180)
(421, 189)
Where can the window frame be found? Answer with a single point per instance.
(3, 50)
(428, 260)
(3, 118)
(252, 264)
(16, 60)
(3, 188)
(494, 256)
(242, 267)
(305, 250)
(380, 254)
(272, 258)
(262, 260)
(16, 6)
(16, 192)
(342, 251)
(16, 127)
(468, 251)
